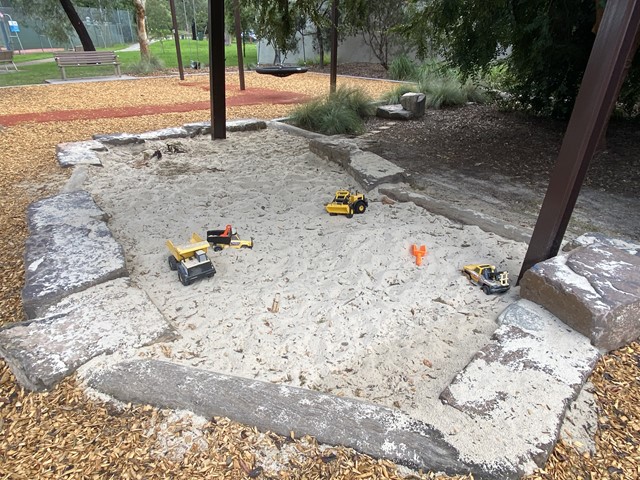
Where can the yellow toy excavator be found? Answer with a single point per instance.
(347, 203)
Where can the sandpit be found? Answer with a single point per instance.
(357, 316)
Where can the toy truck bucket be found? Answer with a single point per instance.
(182, 252)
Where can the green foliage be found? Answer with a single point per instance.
(377, 22)
(442, 86)
(341, 112)
(158, 19)
(442, 91)
(403, 68)
(392, 97)
(37, 73)
(549, 44)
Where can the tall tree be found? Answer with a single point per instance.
(54, 18)
(139, 6)
(376, 22)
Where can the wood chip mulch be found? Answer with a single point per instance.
(65, 434)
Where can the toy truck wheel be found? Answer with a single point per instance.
(217, 248)
(184, 280)
(359, 207)
(173, 263)
(350, 214)
(486, 289)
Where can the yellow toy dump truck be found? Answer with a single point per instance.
(347, 203)
(487, 278)
(191, 260)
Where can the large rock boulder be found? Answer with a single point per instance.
(415, 103)
(594, 289)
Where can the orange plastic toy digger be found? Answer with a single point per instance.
(419, 253)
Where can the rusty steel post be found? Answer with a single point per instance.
(614, 43)
(176, 36)
(216, 70)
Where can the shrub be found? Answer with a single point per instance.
(144, 67)
(402, 68)
(341, 112)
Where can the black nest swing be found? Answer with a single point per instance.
(280, 70)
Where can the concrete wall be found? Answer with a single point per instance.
(352, 49)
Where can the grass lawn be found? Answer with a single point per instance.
(191, 50)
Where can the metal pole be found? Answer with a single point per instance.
(614, 44)
(333, 74)
(236, 16)
(176, 37)
(216, 69)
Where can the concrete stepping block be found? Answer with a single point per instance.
(594, 289)
(525, 377)
(378, 431)
(79, 153)
(70, 248)
(108, 318)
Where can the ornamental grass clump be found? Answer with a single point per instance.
(341, 112)
(403, 68)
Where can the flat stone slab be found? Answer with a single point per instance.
(79, 153)
(197, 128)
(377, 431)
(594, 289)
(164, 133)
(394, 112)
(371, 170)
(246, 125)
(118, 138)
(70, 249)
(466, 216)
(108, 318)
(525, 377)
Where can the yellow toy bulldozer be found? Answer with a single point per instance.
(347, 203)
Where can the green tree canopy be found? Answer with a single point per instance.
(544, 44)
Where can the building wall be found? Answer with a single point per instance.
(352, 49)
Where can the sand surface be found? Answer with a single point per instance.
(357, 316)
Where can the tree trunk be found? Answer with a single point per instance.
(81, 30)
(320, 47)
(142, 29)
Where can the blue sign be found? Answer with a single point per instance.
(13, 26)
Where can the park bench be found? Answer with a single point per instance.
(86, 59)
(6, 58)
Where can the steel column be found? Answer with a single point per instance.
(216, 70)
(599, 90)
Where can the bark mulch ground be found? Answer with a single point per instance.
(64, 434)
